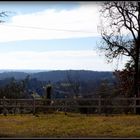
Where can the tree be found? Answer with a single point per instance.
(125, 79)
(13, 89)
(74, 82)
(121, 33)
(105, 89)
(3, 14)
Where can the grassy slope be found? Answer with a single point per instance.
(60, 125)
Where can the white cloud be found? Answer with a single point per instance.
(55, 60)
(85, 19)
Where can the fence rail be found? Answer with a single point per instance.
(87, 105)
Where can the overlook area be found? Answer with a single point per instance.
(70, 69)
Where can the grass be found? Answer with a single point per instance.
(69, 126)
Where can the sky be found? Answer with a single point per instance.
(52, 36)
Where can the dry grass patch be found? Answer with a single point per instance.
(71, 125)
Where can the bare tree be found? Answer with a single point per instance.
(120, 30)
(3, 14)
(74, 81)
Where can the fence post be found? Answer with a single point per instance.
(33, 105)
(99, 105)
(4, 107)
(135, 104)
(3, 102)
(65, 110)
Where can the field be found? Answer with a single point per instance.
(60, 125)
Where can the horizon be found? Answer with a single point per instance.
(45, 70)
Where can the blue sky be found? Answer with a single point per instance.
(52, 35)
(31, 7)
(89, 43)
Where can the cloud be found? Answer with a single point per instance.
(55, 60)
(52, 24)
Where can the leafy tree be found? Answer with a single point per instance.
(13, 89)
(120, 30)
(126, 79)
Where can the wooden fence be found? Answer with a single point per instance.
(82, 105)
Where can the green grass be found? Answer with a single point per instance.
(71, 126)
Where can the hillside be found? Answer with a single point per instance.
(58, 75)
(66, 82)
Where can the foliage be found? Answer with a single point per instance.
(86, 83)
(126, 80)
(13, 89)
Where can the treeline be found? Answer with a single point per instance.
(58, 75)
(13, 88)
(65, 83)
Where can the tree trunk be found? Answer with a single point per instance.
(136, 74)
(137, 63)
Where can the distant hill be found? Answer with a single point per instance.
(25, 70)
(83, 75)
(58, 75)
(16, 75)
(88, 82)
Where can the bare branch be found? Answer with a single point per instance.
(3, 14)
(126, 21)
